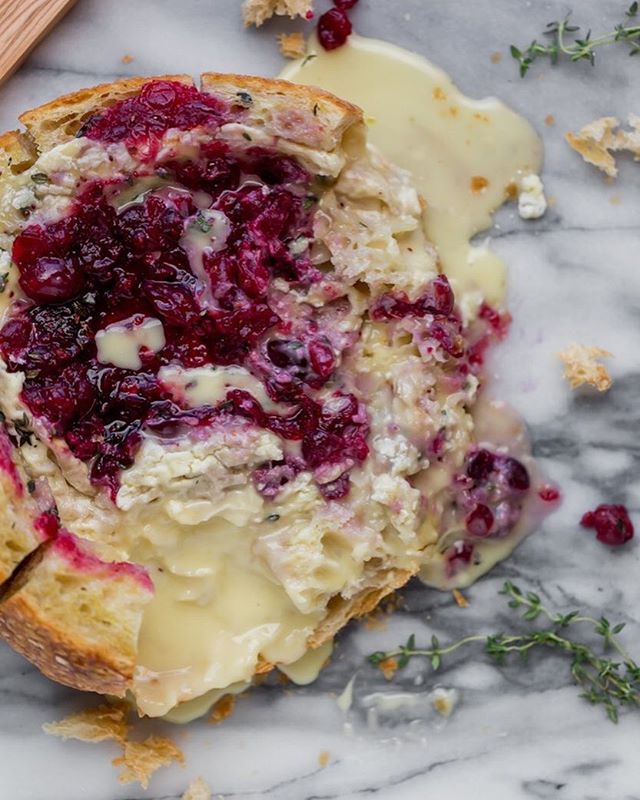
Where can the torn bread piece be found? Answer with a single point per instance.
(247, 392)
(140, 760)
(292, 45)
(106, 722)
(256, 12)
(599, 139)
(583, 366)
(198, 789)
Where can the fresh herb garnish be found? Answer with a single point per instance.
(610, 683)
(40, 177)
(575, 48)
(244, 98)
(22, 432)
(4, 278)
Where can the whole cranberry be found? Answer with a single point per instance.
(612, 524)
(480, 464)
(51, 280)
(515, 473)
(480, 521)
(457, 557)
(334, 28)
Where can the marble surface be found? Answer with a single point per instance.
(518, 731)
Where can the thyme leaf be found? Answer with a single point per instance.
(565, 41)
(613, 684)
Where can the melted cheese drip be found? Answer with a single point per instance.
(465, 155)
(119, 344)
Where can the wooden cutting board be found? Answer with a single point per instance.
(22, 24)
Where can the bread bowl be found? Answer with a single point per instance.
(232, 368)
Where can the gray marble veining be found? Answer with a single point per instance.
(519, 732)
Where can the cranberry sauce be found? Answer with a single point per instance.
(100, 265)
(489, 495)
(159, 106)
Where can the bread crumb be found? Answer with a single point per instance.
(599, 139)
(373, 622)
(222, 709)
(94, 724)
(495, 58)
(444, 701)
(582, 366)
(141, 759)
(292, 45)
(549, 120)
(126, 59)
(478, 184)
(255, 12)
(615, 200)
(323, 758)
(389, 667)
(460, 599)
(197, 790)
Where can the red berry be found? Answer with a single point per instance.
(334, 28)
(480, 521)
(457, 557)
(345, 5)
(480, 464)
(612, 524)
(50, 279)
(548, 493)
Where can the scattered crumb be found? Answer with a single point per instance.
(552, 201)
(478, 184)
(599, 139)
(615, 200)
(444, 701)
(582, 366)
(292, 45)
(391, 603)
(460, 599)
(532, 203)
(126, 59)
(388, 667)
(495, 58)
(141, 759)
(345, 699)
(373, 622)
(438, 94)
(549, 120)
(94, 725)
(283, 679)
(511, 190)
(323, 758)
(255, 12)
(197, 790)
(222, 709)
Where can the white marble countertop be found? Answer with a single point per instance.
(518, 732)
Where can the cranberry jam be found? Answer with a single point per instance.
(101, 264)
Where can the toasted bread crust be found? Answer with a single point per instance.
(45, 615)
(48, 640)
(59, 120)
(18, 536)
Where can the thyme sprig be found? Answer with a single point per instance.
(612, 684)
(565, 41)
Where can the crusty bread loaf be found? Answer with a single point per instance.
(78, 619)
